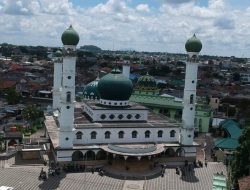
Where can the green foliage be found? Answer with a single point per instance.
(32, 113)
(33, 129)
(240, 166)
(12, 96)
(236, 76)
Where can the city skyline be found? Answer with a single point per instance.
(156, 25)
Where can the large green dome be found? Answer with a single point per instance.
(70, 37)
(193, 45)
(146, 82)
(91, 92)
(115, 86)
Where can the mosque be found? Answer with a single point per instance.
(111, 130)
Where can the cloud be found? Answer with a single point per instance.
(176, 2)
(143, 8)
(41, 22)
(224, 23)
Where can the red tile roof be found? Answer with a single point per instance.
(244, 183)
(7, 84)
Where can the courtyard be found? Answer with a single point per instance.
(26, 177)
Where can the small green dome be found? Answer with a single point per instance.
(146, 82)
(58, 53)
(70, 37)
(91, 92)
(115, 86)
(193, 45)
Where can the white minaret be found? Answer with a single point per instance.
(57, 79)
(126, 69)
(70, 39)
(193, 47)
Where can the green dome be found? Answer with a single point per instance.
(58, 53)
(193, 45)
(146, 82)
(91, 92)
(115, 86)
(70, 37)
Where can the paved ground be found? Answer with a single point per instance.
(26, 177)
(201, 139)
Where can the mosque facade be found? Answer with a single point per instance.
(107, 126)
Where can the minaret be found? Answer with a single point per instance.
(70, 39)
(57, 79)
(126, 69)
(193, 47)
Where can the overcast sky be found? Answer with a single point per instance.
(223, 26)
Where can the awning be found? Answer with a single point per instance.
(133, 149)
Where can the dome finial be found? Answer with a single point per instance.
(70, 36)
(193, 44)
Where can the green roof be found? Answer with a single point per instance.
(91, 91)
(70, 37)
(227, 143)
(219, 182)
(232, 128)
(146, 82)
(115, 86)
(193, 44)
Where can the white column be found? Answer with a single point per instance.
(126, 69)
(189, 102)
(66, 118)
(57, 83)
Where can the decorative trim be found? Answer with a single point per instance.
(114, 103)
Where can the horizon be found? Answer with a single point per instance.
(149, 25)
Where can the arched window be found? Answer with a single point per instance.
(107, 135)
(172, 133)
(134, 134)
(160, 133)
(121, 135)
(93, 135)
(79, 135)
(147, 134)
(68, 99)
(191, 99)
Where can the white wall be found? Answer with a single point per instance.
(114, 138)
(96, 114)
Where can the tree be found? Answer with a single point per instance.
(31, 113)
(236, 76)
(12, 96)
(240, 166)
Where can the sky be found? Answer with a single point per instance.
(223, 26)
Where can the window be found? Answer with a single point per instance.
(69, 77)
(107, 135)
(147, 134)
(134, 134)
(191, 99)
(79, 135)
(172, 133)
(129, 116)
(121, 134)
(137, 116)
(120, 116)
(93, 135)
(112, 116)
(103, 116)
(160, 133)
(68, 98)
